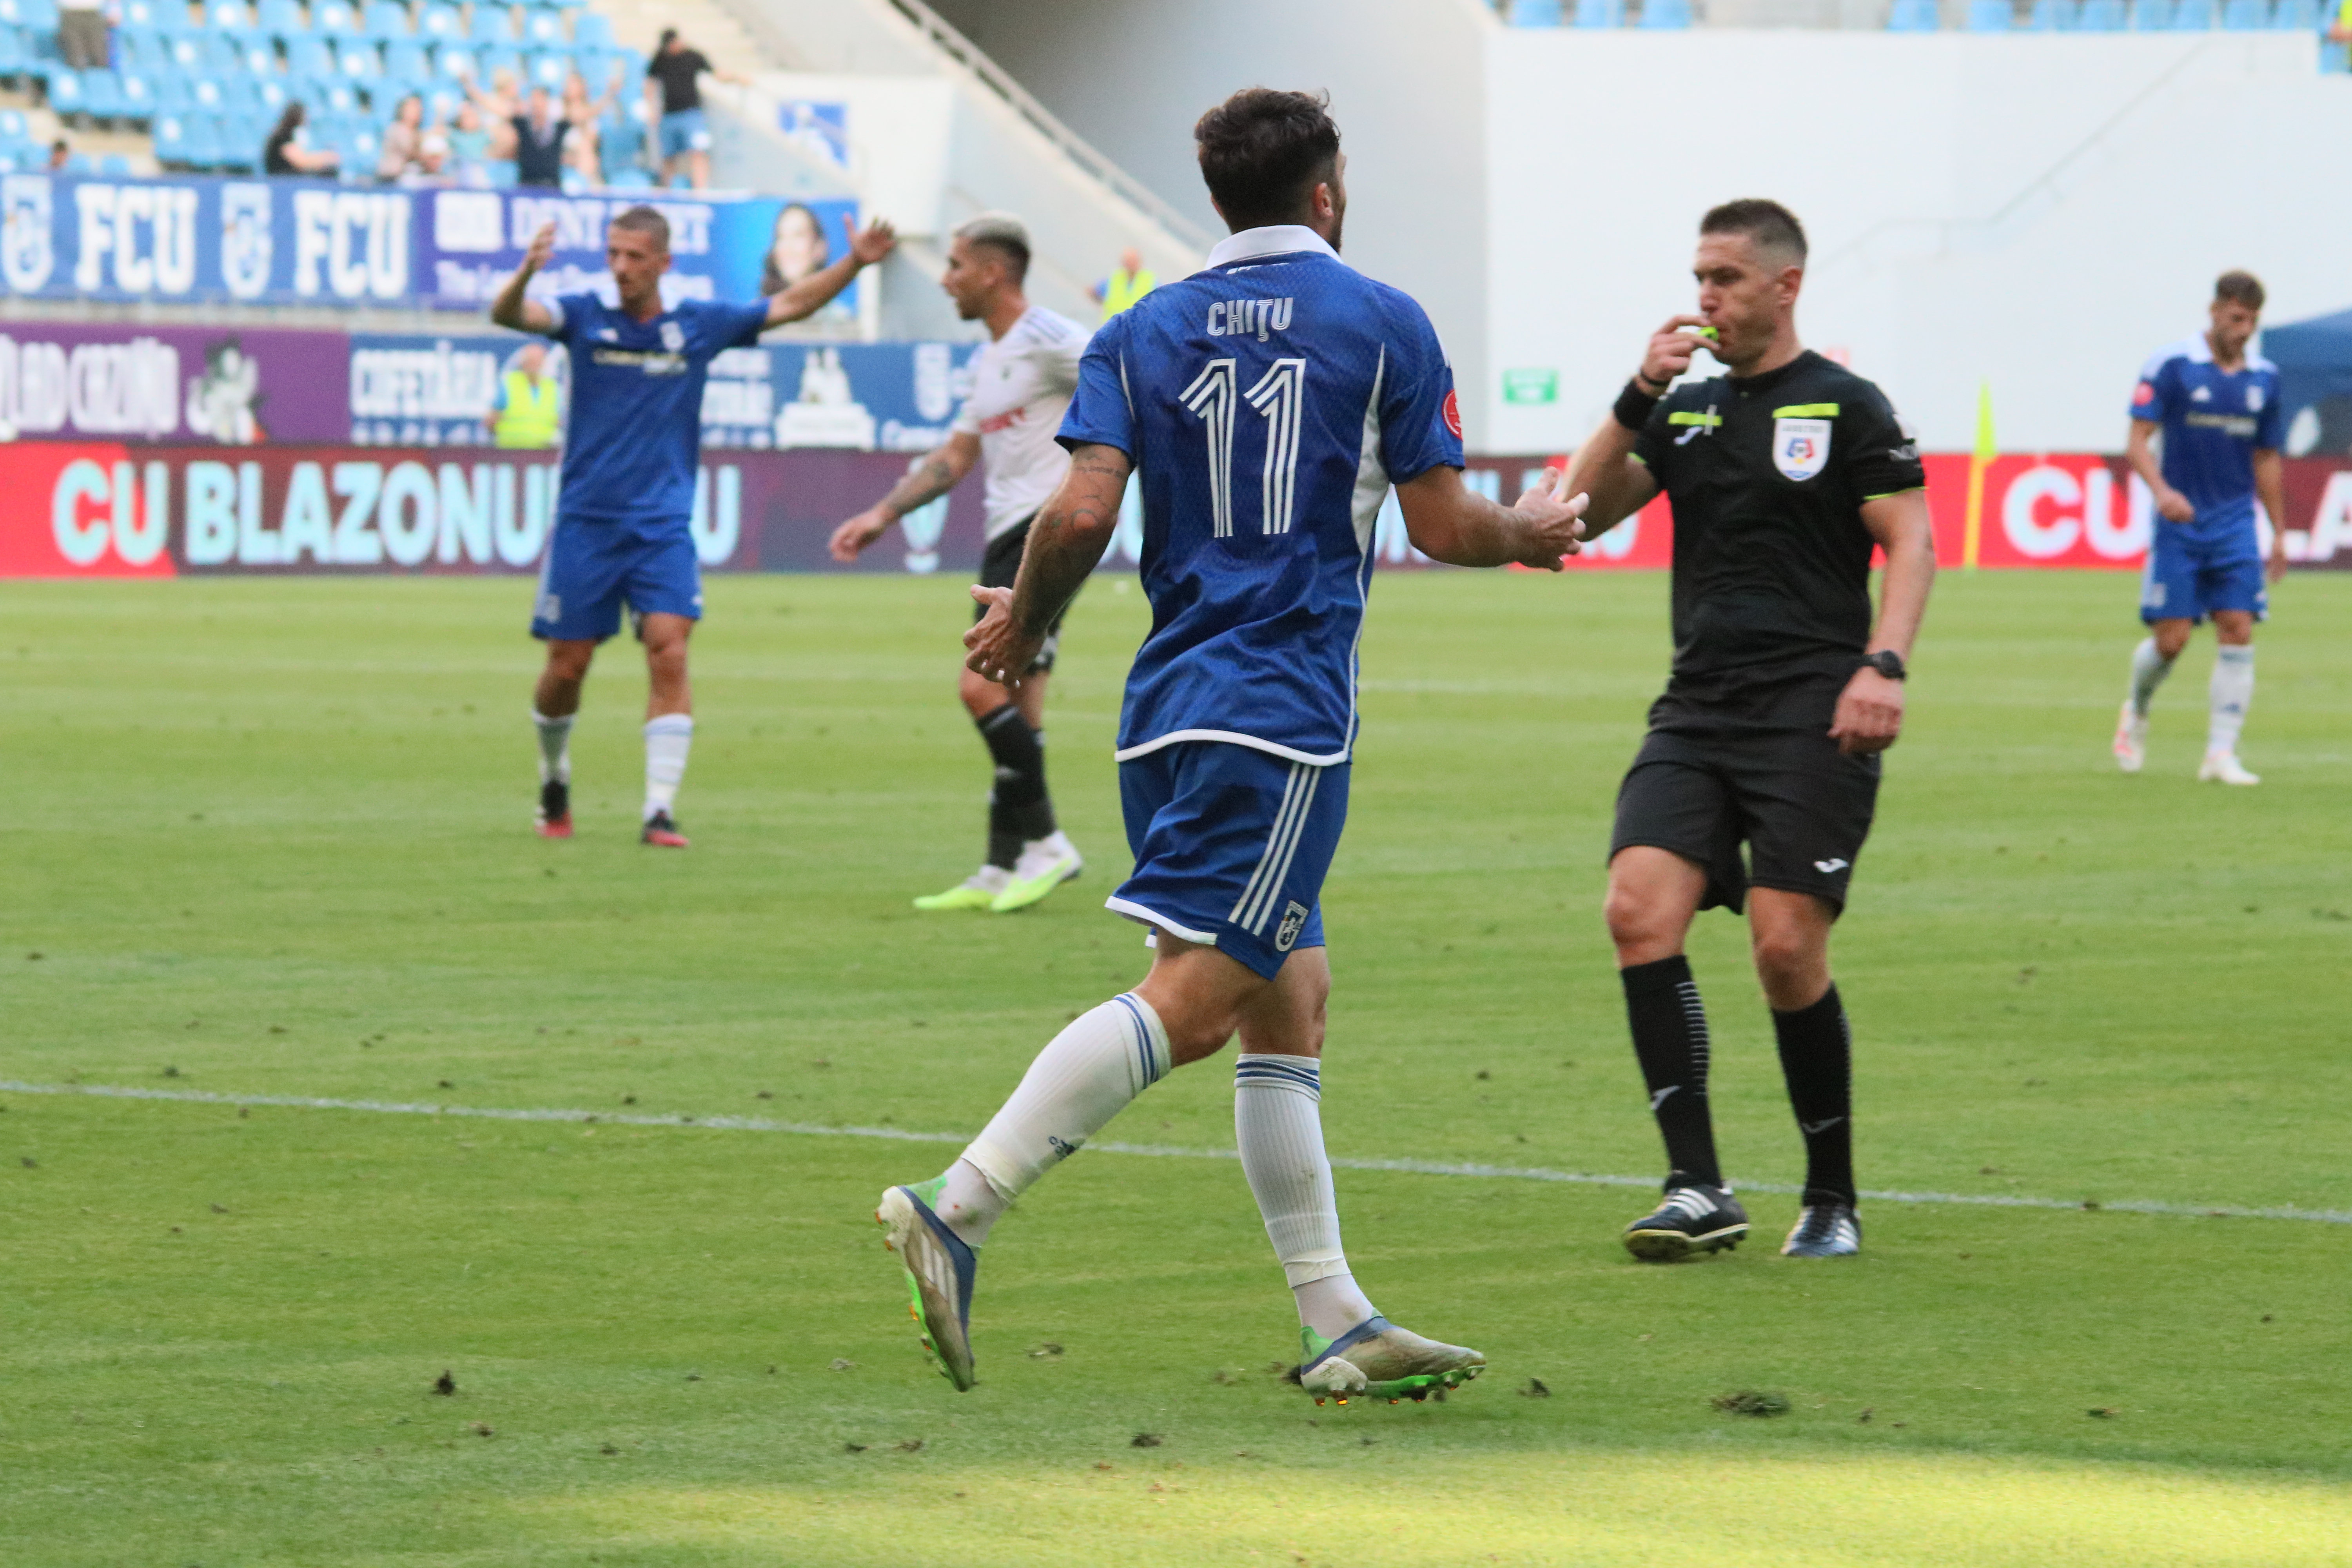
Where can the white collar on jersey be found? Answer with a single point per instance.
(1273, 240)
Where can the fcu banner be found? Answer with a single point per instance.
(193, 239)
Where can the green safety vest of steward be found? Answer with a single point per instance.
(530, 414)
(1121, 289)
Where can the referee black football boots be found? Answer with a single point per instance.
(1693, 1218)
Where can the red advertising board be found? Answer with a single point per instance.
(106, 508)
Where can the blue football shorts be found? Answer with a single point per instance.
(2189, 579)
(1231, 846)
(595, 565)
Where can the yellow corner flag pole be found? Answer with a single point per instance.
(1972, 537)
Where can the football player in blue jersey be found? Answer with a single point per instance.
(627, 488)
(2215, 404)
(1270, 402)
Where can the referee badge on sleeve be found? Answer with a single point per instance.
(1801, 447)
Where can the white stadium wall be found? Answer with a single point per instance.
(2034, 212)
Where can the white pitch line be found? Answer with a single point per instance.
(1161, 1150)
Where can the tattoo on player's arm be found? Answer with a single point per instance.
(926, 484)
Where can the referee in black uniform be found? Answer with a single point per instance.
(1782, 476)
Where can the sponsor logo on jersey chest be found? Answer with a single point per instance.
(1801, 447)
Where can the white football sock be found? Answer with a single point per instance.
(1085, 1077)
(2147, 672)
(2232, 693)
(554, 746)
(668, 739)
(1278, 1123)
(967, 1204)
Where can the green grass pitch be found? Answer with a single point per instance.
(270, 839)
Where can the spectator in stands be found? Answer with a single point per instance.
(398, 159)
(287, 153)
(527, 410)
(1123, 288)
(538, 134)
(469, 148)
(59, 157)
(673, 86)
(82, 34)
(580, 147)
(432, 159)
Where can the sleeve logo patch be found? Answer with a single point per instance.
(1801, 447)
(1452, 413)
(2145, 395)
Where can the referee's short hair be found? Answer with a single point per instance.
(2240, 288)
(1263, 152)
(1002, 233)
(1767, 224)
(643, 219)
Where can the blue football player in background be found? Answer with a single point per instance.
(1270, 401)
(628, 491)
(2216, 404)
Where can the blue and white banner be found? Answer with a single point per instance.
(275, 242)
(195, 239)
(470, 242)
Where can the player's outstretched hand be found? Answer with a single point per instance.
(871, 244)
(857, 534)
(1869, 713)
(1557, 522)
(542, 248)
(1000, 652)
(1671, 348)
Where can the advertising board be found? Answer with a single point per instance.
(220, 386)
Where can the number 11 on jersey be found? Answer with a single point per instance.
(1280, 397)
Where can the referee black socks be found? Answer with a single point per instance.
(1670, 1037)
(1816, 1058)
(1019, 809)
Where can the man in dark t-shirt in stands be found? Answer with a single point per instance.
(539, 141)
(672, 82)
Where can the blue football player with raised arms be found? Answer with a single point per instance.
(1269, 401)
(621, 522)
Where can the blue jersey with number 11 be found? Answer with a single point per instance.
(1268, 402)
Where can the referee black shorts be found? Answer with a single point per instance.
(1000, 564)
(1800, 806)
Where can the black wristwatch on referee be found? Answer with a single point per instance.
(1887, 662)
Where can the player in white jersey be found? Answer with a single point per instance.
(1021, 385)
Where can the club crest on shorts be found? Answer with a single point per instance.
(1294, 920)
(1801, 447)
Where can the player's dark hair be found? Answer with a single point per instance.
(1262, 152)
(2240, 288)
(641, 219)
(1005, 235)
(1767, 224)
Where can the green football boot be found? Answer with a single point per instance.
(1045, 865)
(977, 891)
(939, 1273)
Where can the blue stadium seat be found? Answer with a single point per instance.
(310, 56)
(1659, 14)
(115, 166)
(441, 100)
(155, 16)
(227, 16)
(171, 134)
(2296, 16)
(2245, 15)
(405, 62)
(356, 58)
(2104, 17)
(438, 23)
(2151, 16)
(387, 21)
(491, 23)
(454, 63)
(141, 48)
(65, 90)
(547, 69)
(1912, 17)
(282, 19)
(337, 94)
(493, 61)
(171, 95)
(363, 146)
(202, 148)
(138, 94)
(1990, 17)
(2055, 17)
(16, 130)
(220, 52)
(1588, 14)
(256, 54)
(592, 30)
(334, 16)
(2195, 16)
(12, 51)
(543, 29)
(101, 95)
(272, 93)
(1535, 14)
(209, 96)
(41, 15)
